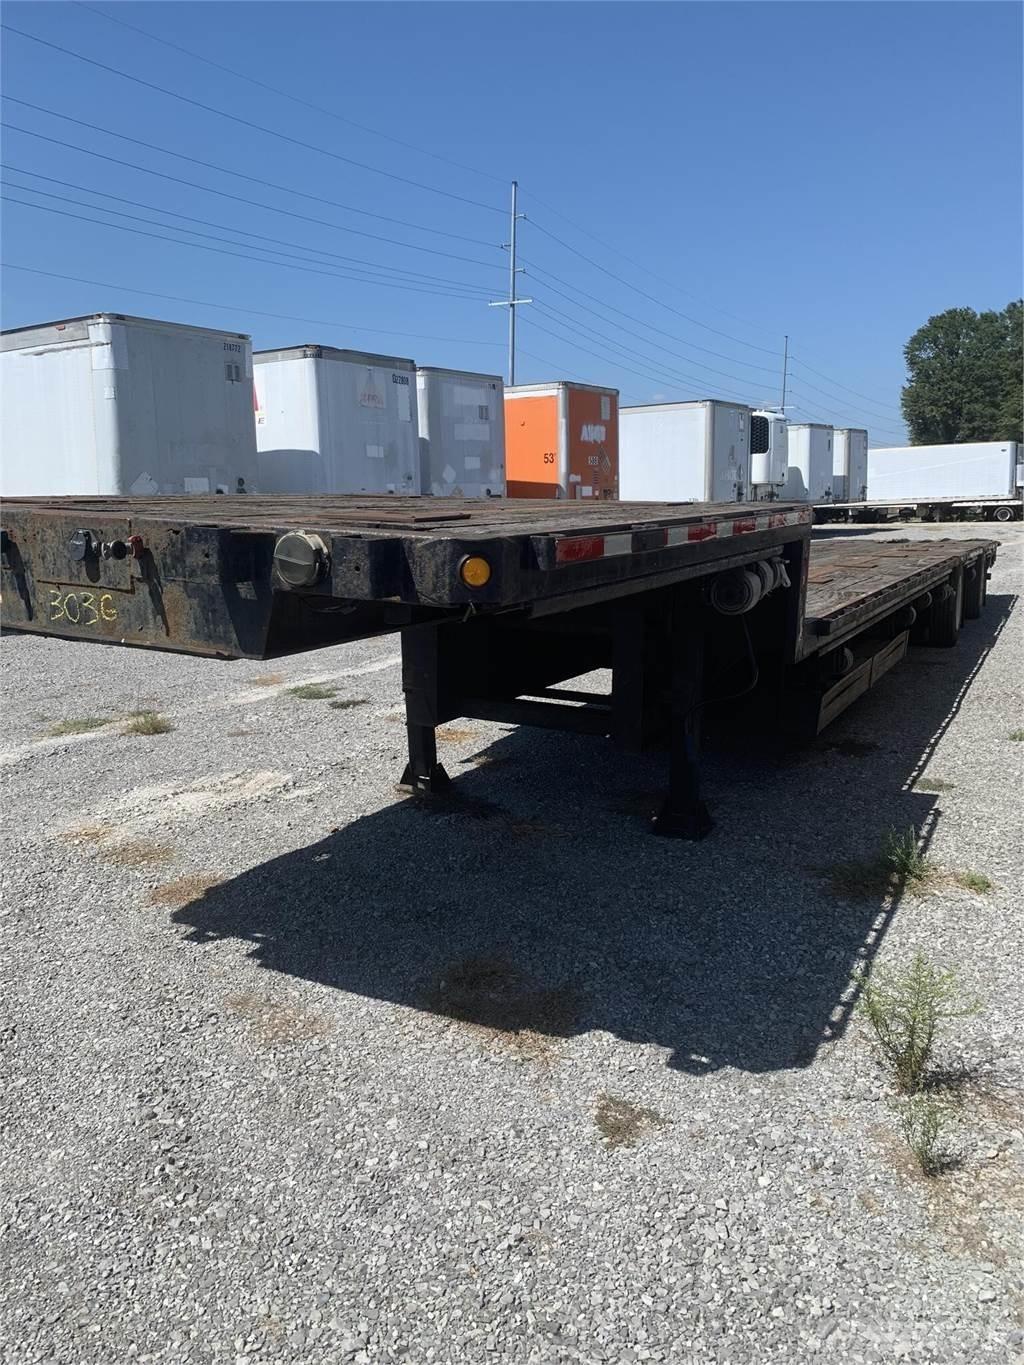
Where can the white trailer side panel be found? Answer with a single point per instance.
(809, 468)
(684, 452)
(849, 464)
(972, 470)
(461, 433)
(119, 405)
(336, 422)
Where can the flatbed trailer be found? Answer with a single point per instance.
(499, 603)
(940, 509)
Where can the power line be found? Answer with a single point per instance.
(690, 345)
(796, 360)
(559, 369)
(828, 420)
(254, 312)
(285, 94)
(611, 360)
(566, 322)
(885, 416)
(245, 256)
(226, 170)
(224, 227)
(646, 269)
(248, 123)
(652, 297)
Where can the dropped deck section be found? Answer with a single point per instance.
(499, 604)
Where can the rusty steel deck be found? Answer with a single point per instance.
(852, 582)
(348, 514)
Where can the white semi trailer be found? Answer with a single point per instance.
(947, 482)
(704, 451)
(334, 421)
(110, 404)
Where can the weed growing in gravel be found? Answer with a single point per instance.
(623, 1123)
(1018, 735)
(973, 881)
(901, 853)
(82, 726)
(313, 691)
(905, 1012)
(147, 723)
(924, 1121)
(899, 864)
(933, 784)
(346, 703)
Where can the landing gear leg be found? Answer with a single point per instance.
(684, 815)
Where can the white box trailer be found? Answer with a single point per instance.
(462, 432)
(684, 452)
(809, 463)
(110, 404)
(334, 421)
(849, 464)
(978, 474)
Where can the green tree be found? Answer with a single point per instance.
(965, 377)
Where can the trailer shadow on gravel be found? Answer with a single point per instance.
(537, 905)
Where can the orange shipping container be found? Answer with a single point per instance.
(561, 441)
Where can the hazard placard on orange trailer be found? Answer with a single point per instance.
(562, 441)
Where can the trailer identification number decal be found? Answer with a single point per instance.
(81, 608)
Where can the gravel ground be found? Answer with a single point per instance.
(298, 1072)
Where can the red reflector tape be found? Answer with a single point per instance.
(743, 525)
(705, 531)
(573, 549)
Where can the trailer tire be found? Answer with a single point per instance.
(1004, 513)
(975, 589)
(944, 625)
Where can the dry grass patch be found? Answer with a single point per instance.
(147, 723)
(451, 734)
(183, 890)
(313, 692)
(137, 853)
(82, 725)
(622, 1123)
(346, 703)
(88, 834)
(492, 997)
(272, 1021)
(1017, 735)
(933, 784)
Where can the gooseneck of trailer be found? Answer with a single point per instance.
(500, 604)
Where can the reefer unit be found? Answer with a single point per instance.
(809, 463)
(980, 469)
(331, 421)
(685, 452)
(110, 404)
(561, 441)
(849, 464)
(769, 447)
(462, 433)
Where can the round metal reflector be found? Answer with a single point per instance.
(301, 559)
(475, 571)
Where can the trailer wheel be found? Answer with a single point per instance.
(944, 625)
(975, 589)
(1003, 513)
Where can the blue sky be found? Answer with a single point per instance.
(698, 180)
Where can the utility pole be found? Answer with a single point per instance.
(512, 303)
(785, 370)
